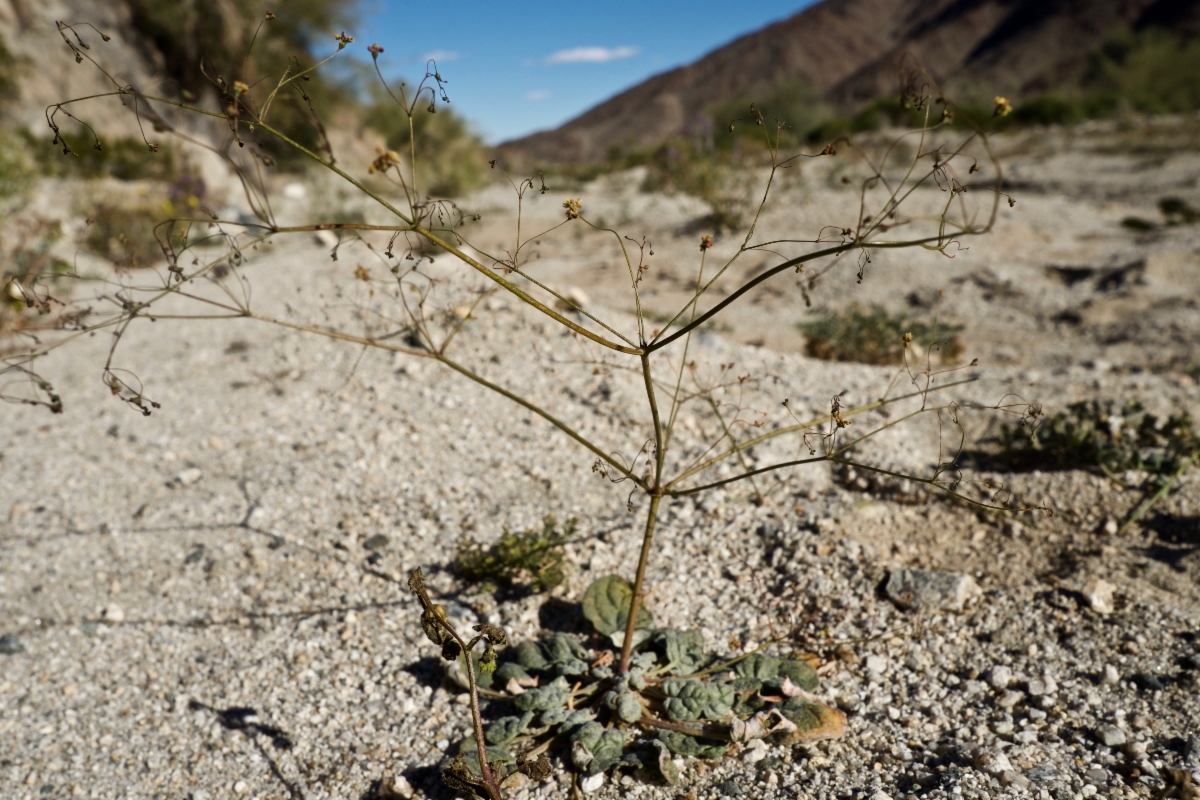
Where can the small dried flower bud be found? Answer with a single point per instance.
(487, 661)
(907, 339)
(374, 50)
(573, 208)
(270, 15)
(830, 150)
(343, 39)
(240, 88)
(1003, 107)
(706, 242)
(451, 650)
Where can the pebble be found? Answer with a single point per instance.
(1043, 772)
(1111, 736)
(1025, 737)
(926, 588)
(1015, 778)
(1010, 699)
(240, 787)
(1039, 687)
(113, 614)
(187, 477)
(1000, 676)
(395, 787)
(993, 762)
(1111, 676)
(592, 783)
(876, 664)
(376, 542)
(10, 645)
(1098, 594)
(756, 751)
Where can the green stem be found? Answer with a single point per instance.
(635, 600)
(1141, 510)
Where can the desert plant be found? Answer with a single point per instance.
(653, 681)
(875, 336)
(1099, 436)
(532, 558)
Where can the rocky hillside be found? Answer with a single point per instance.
(850, 51)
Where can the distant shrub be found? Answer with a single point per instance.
(1100, 436)
(132, 235)
(532, 558)
(450, 154)
(874, 336)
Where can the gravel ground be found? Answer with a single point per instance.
(190, 609)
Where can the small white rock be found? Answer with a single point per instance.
(240, 787)
(1111, 736)
(876, 664)
(592, 783)
(113, 614)
(993, 762)
(756, 751)
(881, 795)
(1099, 595)
(1000, 676)
(188, 476)
(1111, 676)
(393, 786)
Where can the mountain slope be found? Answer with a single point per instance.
(850, 51)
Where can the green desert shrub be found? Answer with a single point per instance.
(875, 336)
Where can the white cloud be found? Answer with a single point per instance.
(538, 94)
(442, 55)
(592, 55)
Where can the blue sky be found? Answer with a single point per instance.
(519, 67)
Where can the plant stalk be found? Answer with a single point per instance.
(635, 600)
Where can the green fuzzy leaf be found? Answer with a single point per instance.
(510, 671)
(766, 668)
(667, 771)
(572, 667)
(743, 685)
(605, 746)
(505, 729)
(693, 699)
(683, 649)
(531, 657)
(643, 661)
(497, 753)
(606, 605)
(560, 648)
(552, 717)
(801, 674)
(748, 705)
(758, 665)
(552, 695)
(607, 751)
(698, 747)
(814, 722)
(628, 707)
(576, 719)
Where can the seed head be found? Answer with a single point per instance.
(573, 208)
(1003, 107)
